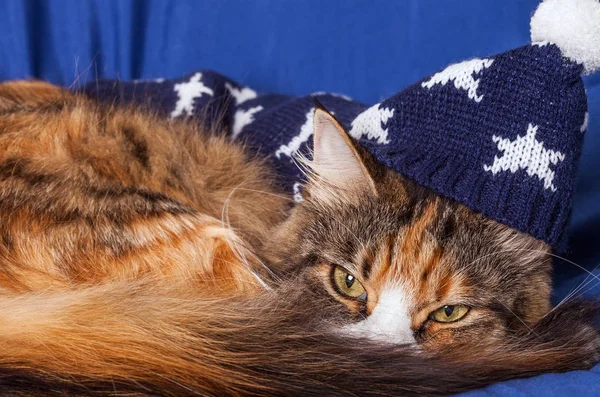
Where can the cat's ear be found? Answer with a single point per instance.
(30, 94)
(337, 167)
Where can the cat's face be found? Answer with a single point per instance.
(403, 264)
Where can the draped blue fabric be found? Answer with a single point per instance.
(365, 49)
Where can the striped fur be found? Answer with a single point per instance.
(144, 257)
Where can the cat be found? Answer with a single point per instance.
(146, 256)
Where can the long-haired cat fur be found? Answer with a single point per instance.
(146, 256)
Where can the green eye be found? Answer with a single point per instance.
(347, 285)
(449, 313)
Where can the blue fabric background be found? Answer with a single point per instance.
(365, 49)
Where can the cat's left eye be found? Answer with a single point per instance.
(347, 285)
(449, 313)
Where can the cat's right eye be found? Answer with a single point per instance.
(347, 285)
(449, 313)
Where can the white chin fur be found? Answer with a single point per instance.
(389, 322)
(573, 26)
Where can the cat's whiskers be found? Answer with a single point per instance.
(579, 290)
(576, 290)
(591, 288)
(303, 163)
(594, 277)
(236, 246)
(516, 315)
(226, 223)
(538, 251)
(78, 75)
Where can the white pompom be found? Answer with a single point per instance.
(574, 26)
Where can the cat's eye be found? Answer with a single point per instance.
(449, 313)
(347, 285)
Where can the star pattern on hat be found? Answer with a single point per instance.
(526, 153)
(187, 93)
(306, 131)
(370, 123)
(297, 189)
(240, 95)
(462, 76)
(242, 118)
(441, 132)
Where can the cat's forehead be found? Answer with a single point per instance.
(416, 224)
(422, 252)
(416, 215)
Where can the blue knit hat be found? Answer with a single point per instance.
(502, 134)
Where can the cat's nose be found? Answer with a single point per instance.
(389, 321)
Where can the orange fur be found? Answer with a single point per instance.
(143, 256)
(101, 171)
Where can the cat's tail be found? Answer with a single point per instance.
(143, 339)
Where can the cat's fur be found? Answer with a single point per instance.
(142, 256)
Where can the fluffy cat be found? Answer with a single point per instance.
(143, 256)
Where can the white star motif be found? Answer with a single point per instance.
(242, 118)
(333, 94)
(586, 120)
(187, 93)
(158, 80)
(462, 75)
(370, 123)
(241, 95)
(305, 132)
(526, 153)
(298, 192)
(541, 43)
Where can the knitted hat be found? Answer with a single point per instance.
(502, 134)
